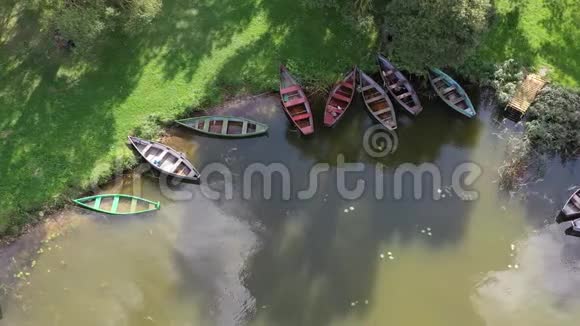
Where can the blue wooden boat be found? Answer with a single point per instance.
(451, 92)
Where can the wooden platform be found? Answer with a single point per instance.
(526, 94)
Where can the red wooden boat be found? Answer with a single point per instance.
(340, 99)
(295, 102)
(377, 101)
(399, 87)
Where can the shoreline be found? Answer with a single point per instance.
(17, 256)
(40, 215)
(18, 252)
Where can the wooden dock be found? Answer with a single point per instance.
(526, 94)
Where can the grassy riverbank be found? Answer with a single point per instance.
(64, 121)
(538, 34)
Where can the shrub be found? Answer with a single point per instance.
(505, 80)
(151, 128)
(553, 122)
(86, 21)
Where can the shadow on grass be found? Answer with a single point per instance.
(56, 119)
(564, 47)
(61, 112)
(506, 39)
(189, 31)
(556, 25)
(315, 44)
(58, 126)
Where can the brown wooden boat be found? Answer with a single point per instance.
(165, 159)
(571, 210)
(340, 99)
(399, 87)
(377, 101)
(295, 102)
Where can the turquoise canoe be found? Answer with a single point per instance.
(451, 92)
(224, 126)
(118, 204)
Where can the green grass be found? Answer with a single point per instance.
(64, 120)
(537, 33)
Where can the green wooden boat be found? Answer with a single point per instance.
(118, 204)
(224, 126)
(451, 92)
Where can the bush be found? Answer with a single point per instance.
(151, 128)
(505, 80)
(86, 21)
(553, 122)
(138, 13)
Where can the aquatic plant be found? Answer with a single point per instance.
(512, 174)
(551, 128)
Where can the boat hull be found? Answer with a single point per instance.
(295, 103)
(166, 160)
(571, 231)
(225, 126)
(98, 203)
(451, 93)
(377, 101)
(571, 209)
(340, 99)
(399, 86)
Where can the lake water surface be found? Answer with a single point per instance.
(327, 260)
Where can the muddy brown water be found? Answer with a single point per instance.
(327, 260)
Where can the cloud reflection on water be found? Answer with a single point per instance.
(544, 290)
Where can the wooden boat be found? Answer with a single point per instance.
(295, 102)
(451, 92)
(223, 126)
(399, 87)
(117, 204)
(377, 101)
(574, 229)
(571, 210)
(340, 99)
(165, 159)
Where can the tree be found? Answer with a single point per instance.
(436, 33)
(85, 21)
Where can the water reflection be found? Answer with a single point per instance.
(543, 288)
(322, 261)
(210, 252)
